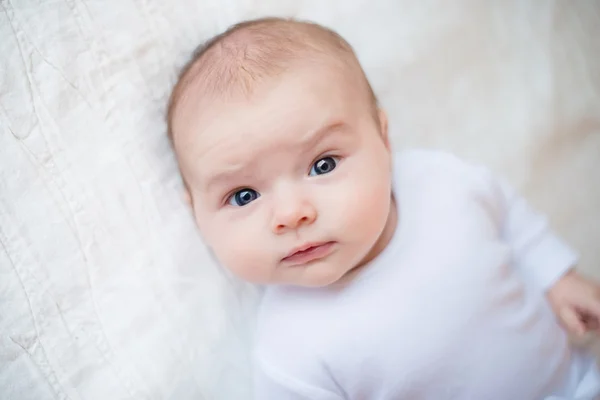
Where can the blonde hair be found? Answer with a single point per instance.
(234, 61)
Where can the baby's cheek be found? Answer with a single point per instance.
(244, 255)
(366, 206)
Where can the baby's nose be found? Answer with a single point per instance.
(292, 215)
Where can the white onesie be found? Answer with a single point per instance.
(453, 308)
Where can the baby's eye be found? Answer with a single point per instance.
(242, 197)
(323, 166)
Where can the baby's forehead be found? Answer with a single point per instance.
(282, 116)
(280, 110)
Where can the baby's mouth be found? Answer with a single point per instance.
(309, 253)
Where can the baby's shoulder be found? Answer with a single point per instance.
(418, 161)
(441, 170)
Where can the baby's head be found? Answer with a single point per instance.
(284, 153)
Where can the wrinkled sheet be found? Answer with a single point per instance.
(106, 291)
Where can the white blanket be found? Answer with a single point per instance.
(106, 291)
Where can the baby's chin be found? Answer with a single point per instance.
(317, 275)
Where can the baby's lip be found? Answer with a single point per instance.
(308, 252)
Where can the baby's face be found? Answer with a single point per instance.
(294, 185)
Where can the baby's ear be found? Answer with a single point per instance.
(383, 128)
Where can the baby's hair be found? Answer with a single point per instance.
(234, 61)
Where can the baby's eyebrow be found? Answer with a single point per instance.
(314, 137)
(225, 175)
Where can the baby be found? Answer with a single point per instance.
(410, 275)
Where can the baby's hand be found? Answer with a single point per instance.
(576, 302)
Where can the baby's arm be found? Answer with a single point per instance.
(537, 251)
(545, 259)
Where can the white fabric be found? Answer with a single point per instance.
(105, 289)
(453, 308)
